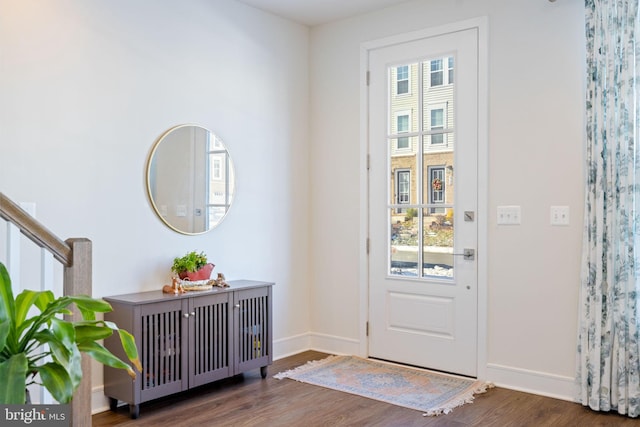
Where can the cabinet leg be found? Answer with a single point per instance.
(113, 404)
(134, 411)
(263, 372)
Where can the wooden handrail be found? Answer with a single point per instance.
(35, 231)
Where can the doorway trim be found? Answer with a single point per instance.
(481, 24)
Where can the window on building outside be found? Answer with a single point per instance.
(437, 77)
(217, 169)
(437, 184)
(439, 74)
(437, 124)
(403, 188)
(402, 123)
(402, 80)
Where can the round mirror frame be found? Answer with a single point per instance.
(181, 167)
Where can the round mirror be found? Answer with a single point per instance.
(190, 179)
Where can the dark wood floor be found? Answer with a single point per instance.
(248, 400)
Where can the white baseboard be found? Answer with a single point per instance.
(99, 402)
(312, 341)
(289, 346)
(528, 381)
(334, 344)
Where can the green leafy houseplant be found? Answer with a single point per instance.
(192, 266)
(191, 263)
(47, 345)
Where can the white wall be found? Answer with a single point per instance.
(536, 74)
(86, 87)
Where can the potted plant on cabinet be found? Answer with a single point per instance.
(193, 267)
(46, 348)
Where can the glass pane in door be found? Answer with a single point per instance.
(403, 245)
(438, 245)
(421, 168)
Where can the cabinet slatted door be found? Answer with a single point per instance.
(254, 329)
(161, 346)
(209, 355)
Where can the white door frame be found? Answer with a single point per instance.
(481, 23)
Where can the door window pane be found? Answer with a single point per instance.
(403, 244)
(438, 245)
(402, 169)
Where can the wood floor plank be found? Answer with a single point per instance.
(248, 400)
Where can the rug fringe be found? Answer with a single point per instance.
(468, 397)
(305, 367)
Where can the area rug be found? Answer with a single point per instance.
(430, 392)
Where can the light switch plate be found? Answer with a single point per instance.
(509, 215)
(559, 215)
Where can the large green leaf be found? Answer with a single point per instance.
(61, 341)
(7, 307)
(58, 349)
(26, 299)
(13, 379)
(104, 356)
(44, 299)
(64, 331)
(92, 333)
(129, 346)
(89, 306)
(126, 339)
(56, 379)
(4, 333)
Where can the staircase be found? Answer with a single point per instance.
(74, 255)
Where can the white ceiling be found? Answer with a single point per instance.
(315, 12)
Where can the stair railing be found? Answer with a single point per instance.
(75, 256)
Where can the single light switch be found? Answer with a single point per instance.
(181, 210)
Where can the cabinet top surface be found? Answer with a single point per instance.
(154, 296)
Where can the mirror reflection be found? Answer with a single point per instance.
(190, 179)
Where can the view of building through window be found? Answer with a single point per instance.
(421, 140)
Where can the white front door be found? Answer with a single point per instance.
(423, 139)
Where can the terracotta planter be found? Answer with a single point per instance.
(203, 274)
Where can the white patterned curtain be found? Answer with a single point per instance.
(609, 343)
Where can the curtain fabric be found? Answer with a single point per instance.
(608, 368)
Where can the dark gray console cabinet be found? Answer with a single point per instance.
(188, 340)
